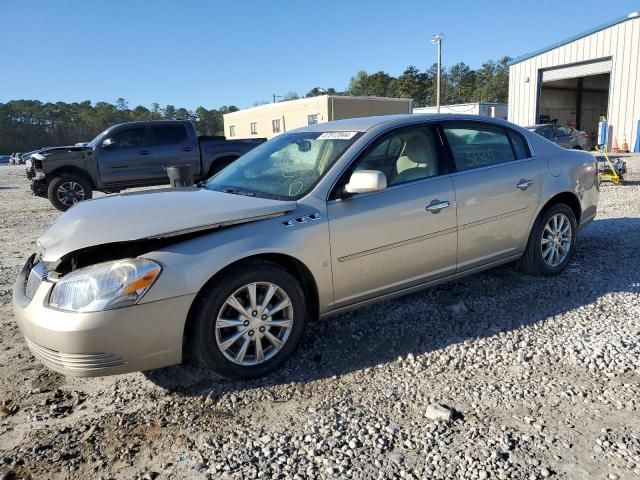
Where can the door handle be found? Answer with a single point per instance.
(187, 149)
(437, 205)
(524, 184)
(144, 152)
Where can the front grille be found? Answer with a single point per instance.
(80, 362)
(36, 276)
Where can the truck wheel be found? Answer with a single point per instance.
(67, 190)
(551, 243)
(248, 323)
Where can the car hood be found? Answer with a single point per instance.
(50, 151)
(151, 214)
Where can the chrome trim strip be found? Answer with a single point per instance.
(495, 165)
(397, 244)
(494, 219)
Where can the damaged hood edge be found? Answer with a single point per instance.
(152, 215)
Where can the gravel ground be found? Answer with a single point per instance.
(499, 375)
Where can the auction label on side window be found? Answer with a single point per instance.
(337, 136)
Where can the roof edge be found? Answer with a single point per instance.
(573, 38)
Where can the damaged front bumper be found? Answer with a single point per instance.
(37, 177)
(129, 339)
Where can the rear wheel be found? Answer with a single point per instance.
(248, 323)
(551, 242)
(67, 190)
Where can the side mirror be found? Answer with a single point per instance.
(366, 181)
(108, 142)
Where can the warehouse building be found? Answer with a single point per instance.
(272, 119)
(494, 110)
(582, 79)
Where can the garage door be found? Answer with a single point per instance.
(577, 70)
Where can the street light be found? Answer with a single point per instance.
(437, 40)
(276, 96)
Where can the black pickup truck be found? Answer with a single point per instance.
(129, 155)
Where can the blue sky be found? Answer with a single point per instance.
(191, 53)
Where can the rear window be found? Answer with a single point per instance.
(520, 145)
(169, 134)
(476, 145)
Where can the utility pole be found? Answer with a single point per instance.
(437, 40)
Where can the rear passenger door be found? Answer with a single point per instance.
(172, 146)
(498, 184)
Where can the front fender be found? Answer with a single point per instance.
(189, 265)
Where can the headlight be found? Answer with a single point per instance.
(105, 286)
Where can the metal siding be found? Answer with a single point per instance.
(621, 42)
(634, 88)
(580, 70)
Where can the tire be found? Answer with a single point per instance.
(537, 260)
(77, 187)
(206, 337)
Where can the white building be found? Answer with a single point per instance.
(582, 78)
(497, 110)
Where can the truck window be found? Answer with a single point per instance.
(129, 138)
(169, 134)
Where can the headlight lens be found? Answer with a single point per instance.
(105, 286)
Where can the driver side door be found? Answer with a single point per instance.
(386, 241)
(129, 159)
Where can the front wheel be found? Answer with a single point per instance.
(551, 242)
(248, 322)
(67, 190)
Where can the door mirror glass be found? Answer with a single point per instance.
(366, 181)
(108, 142)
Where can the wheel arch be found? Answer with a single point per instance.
(568, 198)
(291, 264)
(70, 169)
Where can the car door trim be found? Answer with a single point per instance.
(420, 286)
(403, 243)
(494, 218)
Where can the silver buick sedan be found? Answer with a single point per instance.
(314, 222)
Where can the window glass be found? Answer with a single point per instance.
(562, 131)
(169, 134)
(129, 138)
(286, 167)
(254, 128)
(519, 145)
(475, 145)
(405, 156)
(545, 132)
(312, 119)
(275, 124)
(232, 130)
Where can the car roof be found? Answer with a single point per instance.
(363, 124)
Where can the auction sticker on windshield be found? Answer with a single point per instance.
(337, 136)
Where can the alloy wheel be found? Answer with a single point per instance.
(254, 323)
(556, 240)
(70, 193)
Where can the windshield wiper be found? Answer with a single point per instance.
(238, 192)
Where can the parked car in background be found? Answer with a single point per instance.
(4, 159)
(129, 155)
(565, 136)
(316, 221)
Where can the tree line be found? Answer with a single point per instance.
(30, 124)
(458, 84)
